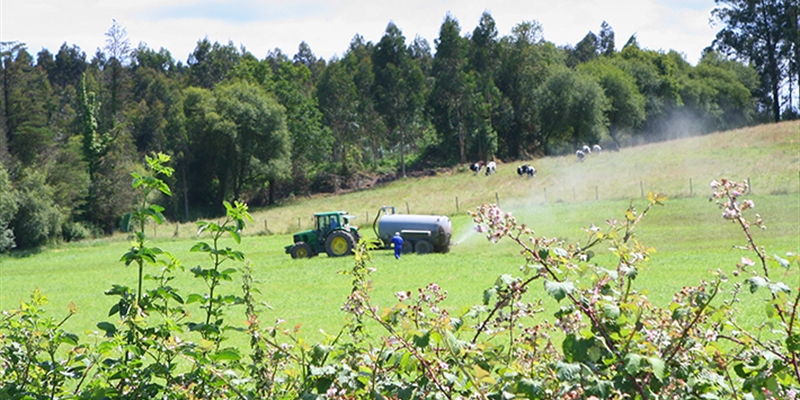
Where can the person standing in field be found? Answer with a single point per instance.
(397, 241)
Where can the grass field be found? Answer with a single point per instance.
(690, 236)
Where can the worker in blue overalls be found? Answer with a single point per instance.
(397, 241)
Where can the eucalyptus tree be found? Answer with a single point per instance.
(525, 62)
(27, 105)
(399, 89)
(657, 79)
(210, 64)
(451, 96)
(484, 63)
(372, 131)
(756, 31)
(118, 49)
(338, 100)
(293, 86)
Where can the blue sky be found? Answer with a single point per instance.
(328, 26)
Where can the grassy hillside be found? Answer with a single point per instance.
(688, 232)
(769, 155)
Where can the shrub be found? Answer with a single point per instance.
(37, 219)
(74, 231)
(607, 340)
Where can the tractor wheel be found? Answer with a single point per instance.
(408, 247)
(301, 250)
(423, 247)
(339, 243)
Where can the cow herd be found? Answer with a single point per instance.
(491, 167)
(586, 150)
(528, 170)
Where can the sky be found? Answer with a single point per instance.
(329, 26)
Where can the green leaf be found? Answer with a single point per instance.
(236, 236)
(125, 224)
(226, 355)
(108, 328)
(531, 389)
(567, 372)
(779, 287)
(658, 367)
(559, 290)
(201, 246)
(756, 282)
(611, 311)
(633, 363)
(782, 262)
(422, 340)
(194, 297)
(793, 343)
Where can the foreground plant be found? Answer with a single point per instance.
(768, 362)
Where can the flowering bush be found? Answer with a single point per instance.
(606, 341)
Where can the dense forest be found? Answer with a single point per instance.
(74, 128)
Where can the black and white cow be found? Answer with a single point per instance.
(597, 149)
(526, 170)
(586, 150)
(476, 167)
(581, 155)
(491, 168)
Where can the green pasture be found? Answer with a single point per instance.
(689, 234)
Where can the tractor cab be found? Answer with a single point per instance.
(332, 234)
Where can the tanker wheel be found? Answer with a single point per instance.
(301, 250)
(423, 247)
(408, 247)
(339, 243)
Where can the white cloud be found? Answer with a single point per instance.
(328, 26)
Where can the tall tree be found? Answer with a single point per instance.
(399, 88)
(210, 64)
(338, 100)
(310, 140)
(28, 102)
(753, 31)
(118, 48)
(370, 126)
(451, 94)
(605, 43)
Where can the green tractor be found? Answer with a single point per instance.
(332, 234)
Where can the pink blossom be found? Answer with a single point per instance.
(747, 261)
(714, 184)
(402, 296)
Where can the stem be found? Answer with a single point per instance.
(697, 316)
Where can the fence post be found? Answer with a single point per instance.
(456, 204)
(266, 228)
(691, 190)
(408, 210)
(596, 194)
(497, 198)
(749, 187)
(298, 223)
(641, 188)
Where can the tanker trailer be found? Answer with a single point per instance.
(421, 233)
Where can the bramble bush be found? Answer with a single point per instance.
(606, 341)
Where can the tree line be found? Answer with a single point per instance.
(262, 130)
